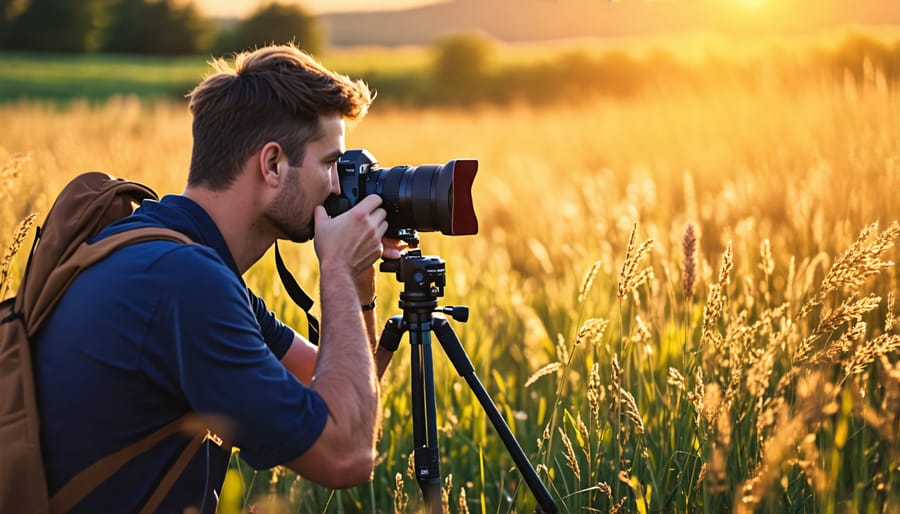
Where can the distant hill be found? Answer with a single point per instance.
(542, 20)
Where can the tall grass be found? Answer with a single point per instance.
(679, 301)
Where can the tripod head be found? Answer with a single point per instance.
(424, 278)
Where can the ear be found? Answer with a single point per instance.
(270, 160)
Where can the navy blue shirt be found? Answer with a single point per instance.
(156, 330)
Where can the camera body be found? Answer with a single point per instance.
(423, 198)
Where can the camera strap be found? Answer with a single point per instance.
(298, 295)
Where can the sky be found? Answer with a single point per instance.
(239, 8)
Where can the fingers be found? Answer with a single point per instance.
(353, 237)
(320, 215)
(370, 202)
(393, 248)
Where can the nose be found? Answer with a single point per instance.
(335, 182)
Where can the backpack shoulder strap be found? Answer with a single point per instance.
(85, 256)
(87, 204)
(91, 477)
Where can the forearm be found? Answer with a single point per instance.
(370, 320)
(300, 359)
(345, 370)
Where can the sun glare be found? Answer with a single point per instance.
(760, 16)
(751, 4)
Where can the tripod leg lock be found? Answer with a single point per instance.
(392, 333)
(428, 463)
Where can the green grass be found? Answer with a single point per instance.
(96, 77)
(62, 78)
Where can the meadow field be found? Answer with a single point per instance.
(682, 300)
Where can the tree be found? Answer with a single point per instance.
(275, 23)
(460, 66)
(9, 11)
(55, 25)
(157, 27)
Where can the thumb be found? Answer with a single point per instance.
(320, 214)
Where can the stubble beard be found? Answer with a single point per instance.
(285, 212)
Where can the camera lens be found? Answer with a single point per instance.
(424, 198)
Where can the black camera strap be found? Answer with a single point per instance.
(298, 295)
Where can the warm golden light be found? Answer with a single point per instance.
(751, 4)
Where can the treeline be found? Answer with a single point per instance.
(464, 70)
(147, 27)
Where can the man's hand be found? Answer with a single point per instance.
(351, 239)
(365, 281)
(393, 248)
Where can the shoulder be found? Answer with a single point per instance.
(169, 269)
(191, 268)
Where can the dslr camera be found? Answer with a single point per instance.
(424, 198)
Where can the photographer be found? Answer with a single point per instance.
(159, 329)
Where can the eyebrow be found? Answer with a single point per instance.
(332, 156)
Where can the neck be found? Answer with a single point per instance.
(234, 213)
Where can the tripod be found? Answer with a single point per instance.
(424, 279)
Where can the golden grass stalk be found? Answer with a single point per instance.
(596, 394)
(789, 283)
(587, 281)
(849, 311)
(592, 331)
(808, 462)
(689, 248)
(711, 313)
(715, 303)
(716, 411)
(859, 262)
(548, 369)
(571, 459)
(463, 503)
(868, 351)
(835, 351)
(891, 401)
(889, 318)
(880, 421)
(695, 396)
(562, 351)
(631, 276)
(401, 499)
(630, 410)
(445, 492)
(767, 263)
(675, 378)
(760, 372)
(727, 266)
(10, 172)
(585, 440)
(19, 234)
(775, 451)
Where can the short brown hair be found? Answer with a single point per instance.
(275, 93)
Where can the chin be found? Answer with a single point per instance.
(302, 236)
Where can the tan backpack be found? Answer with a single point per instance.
(86, 205)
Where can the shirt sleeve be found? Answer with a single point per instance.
(276, 334)
(225, 367)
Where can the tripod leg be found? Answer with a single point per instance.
(457, 355)
(426, 454)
